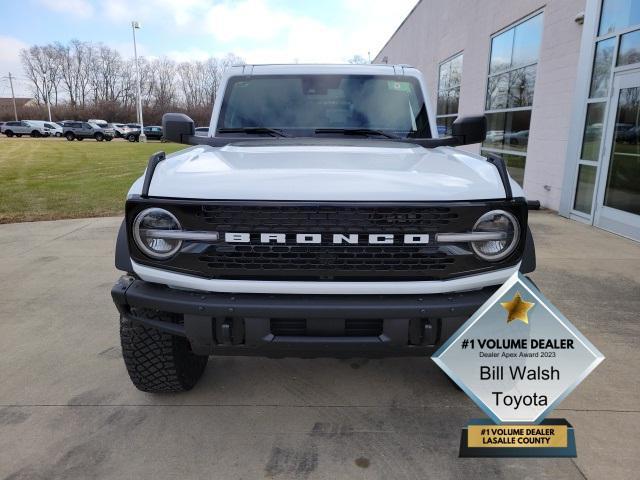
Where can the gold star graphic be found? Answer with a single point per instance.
(517, 309)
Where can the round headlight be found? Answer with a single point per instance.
(148, 228)
(507, 231)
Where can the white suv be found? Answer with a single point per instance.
(25, 127)
(323, 215)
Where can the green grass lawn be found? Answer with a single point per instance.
(45, 179)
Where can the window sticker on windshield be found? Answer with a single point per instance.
(399, 86)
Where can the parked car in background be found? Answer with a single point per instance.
(24, 127)
(101, 123)
(202, 132)
(152, 132)
(52, 128)
(81, 130)
(517, 138)
(120, 129)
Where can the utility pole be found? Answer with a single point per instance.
(15, 110)
(143, 138)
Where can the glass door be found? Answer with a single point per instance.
(618, 201)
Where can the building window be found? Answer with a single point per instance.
(617, 15)
(602, 63)
(510, 86)
(449, 79)
(629, 48)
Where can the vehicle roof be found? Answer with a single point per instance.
(301, 68)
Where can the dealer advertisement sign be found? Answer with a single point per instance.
(517, 358)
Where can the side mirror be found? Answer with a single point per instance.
(468, 130)
(177, 127)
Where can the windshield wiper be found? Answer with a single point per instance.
(356, 131)
(274, 132)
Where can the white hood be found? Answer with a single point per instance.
(354, 170)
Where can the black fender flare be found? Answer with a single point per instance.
(529, 256)
(123, 259)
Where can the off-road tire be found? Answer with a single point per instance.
(156, 361)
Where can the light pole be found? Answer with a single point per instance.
(135, 25)
(15, 110)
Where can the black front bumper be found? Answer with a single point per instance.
(299, 325)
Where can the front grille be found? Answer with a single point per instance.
(330, 259)
(327, 261)
(328, 219)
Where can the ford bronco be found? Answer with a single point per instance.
(322, 215)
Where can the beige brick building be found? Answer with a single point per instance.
(559, 82)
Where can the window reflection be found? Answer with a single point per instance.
(584, 189)
(618, 14)
(501, 49)
(592, 135)
(521, 83)
(629, 51)
(498, 92)
(623, 181)
(602, 61)
(510, 89)
(508, 130)
(527, 42)
(450, 77)
(445, 124)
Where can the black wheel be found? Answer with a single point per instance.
(80, 139)
(108, 139)
(18, 135)
(69, 136)
(99, 137)
(8, 133)
(131, 138)
(156, 361)
(36, 134)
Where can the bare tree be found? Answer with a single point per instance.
(358, 59)
(93, 80)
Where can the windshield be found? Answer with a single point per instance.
(300, 105)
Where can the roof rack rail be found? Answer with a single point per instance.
(154, 160)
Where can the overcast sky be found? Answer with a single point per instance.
(260, 31)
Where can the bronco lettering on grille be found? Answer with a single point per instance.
(336, 238)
